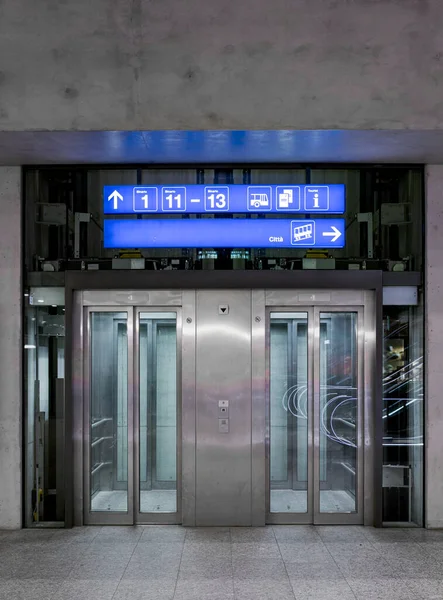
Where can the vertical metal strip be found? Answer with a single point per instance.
(86, 415)
(131, 383)
(258, 409)
(361, 412)
(74, 410)
(188, 414)
(179, 415)
(315, 382)
(136, 416)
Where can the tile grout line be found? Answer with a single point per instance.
(179, 565)
(123, 574)
(338, 567)
(281, 556)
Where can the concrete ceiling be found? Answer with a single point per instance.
(220, 147)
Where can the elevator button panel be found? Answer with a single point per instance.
(223, 425)
(223, 408)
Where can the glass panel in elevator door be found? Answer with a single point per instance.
(289, 412)
(338, 412)
(158, 412)
(108, 412)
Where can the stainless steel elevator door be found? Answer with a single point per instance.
(131, 415)
(223, 407)
(315, 415)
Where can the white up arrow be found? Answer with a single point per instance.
(334, 234)
(116, 197)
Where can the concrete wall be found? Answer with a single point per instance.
(434, 347)
(10, 348)
(218, 64)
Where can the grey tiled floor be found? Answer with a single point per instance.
(169, 562)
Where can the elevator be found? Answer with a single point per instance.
(214, 407)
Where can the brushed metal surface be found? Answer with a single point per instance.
(188, 408)
(118, 297)
(223, 368)
(258, 434)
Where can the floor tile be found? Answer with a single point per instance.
(213, 589)
(162, 533)
(297, 533)
(259, 569)
(111, 535)
(256, 550)
(263, 590)
(388, 588)
(209, 534)
(27, 589)
(252, 534)
(205, 567)
(321, 589)
(86, 590)
(337, 533)
(145, 590)
(302, 553)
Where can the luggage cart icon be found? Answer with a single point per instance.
(303, 233)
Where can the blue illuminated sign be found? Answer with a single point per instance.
(224, 233)
(148, 199)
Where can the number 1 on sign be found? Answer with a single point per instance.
(170, 198)
(145, 201)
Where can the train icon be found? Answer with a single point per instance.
(303, 233)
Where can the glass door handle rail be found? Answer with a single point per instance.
(97, 468)
(100, 422)
(347, 467)
(345, 422)
(100, 440)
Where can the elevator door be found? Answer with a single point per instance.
(131, 415)
(315, 416)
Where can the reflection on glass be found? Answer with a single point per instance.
(158, 413)
(109, 411)
(403, 414)
(289, 413)
(44, 365)
(338, 412)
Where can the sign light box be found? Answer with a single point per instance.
(224, 233)
(290, 199)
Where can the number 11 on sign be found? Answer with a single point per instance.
(174, 199)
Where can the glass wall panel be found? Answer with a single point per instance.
(158, 412)
(338, 412)
(289, 409)
(403, 414)
(44, 360)
(108, 411)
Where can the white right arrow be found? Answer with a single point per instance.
(334, 234)
(116, 197)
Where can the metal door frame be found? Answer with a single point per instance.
(150, 288)
(355, 518)
(158, 518)
(338, 301)
(108, 517)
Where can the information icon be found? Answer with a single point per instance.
(303, 233)
(145, 199)
(316, 198)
